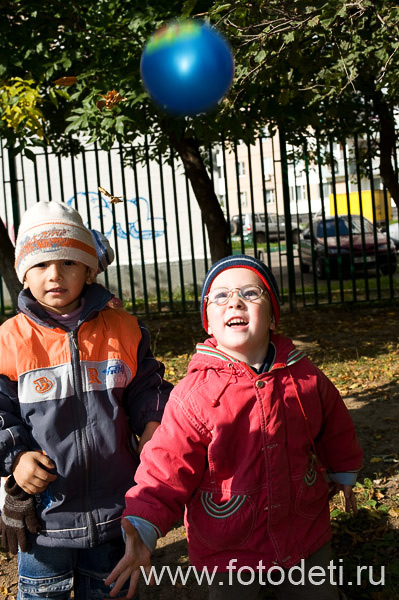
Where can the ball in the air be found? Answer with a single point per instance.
(187, 68)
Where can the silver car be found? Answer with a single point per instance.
(273, 230)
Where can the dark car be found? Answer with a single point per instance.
(343, 241)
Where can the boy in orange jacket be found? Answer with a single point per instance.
(77, 379)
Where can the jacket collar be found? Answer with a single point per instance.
(96, 298)
(286, 354)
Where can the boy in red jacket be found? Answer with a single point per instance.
(250, 440)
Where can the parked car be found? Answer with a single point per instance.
(275, 226)
(345, 247)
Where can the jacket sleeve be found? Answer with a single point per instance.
(337, 444)
(14, 435)
(146, 396)
(172, 467)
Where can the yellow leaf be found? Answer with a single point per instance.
(375, 459)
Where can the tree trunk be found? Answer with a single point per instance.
(7, 265)
(387, 145)
(201, 183)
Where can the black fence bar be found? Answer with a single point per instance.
(140, 231)
(166, 244)
(151, 210)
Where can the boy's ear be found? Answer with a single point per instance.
(90, 276)
(25, 284)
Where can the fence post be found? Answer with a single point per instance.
(12, 168)
(287, 218)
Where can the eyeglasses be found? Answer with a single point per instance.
(249, 293)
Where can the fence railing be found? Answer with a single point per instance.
(277, 199)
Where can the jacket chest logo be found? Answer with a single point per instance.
(105, 375)
(93, 375)
(42, 384)
(114, 370)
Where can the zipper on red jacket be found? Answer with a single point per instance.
(80, 404)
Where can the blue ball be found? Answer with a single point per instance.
(187, 68)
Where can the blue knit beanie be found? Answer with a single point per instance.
(104, 250)
(246, 262)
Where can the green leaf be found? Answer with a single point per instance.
(260, 57)
(289, 37)
(188, 7)
(221, 8)
(66, 63)
(53, 97)
(314, 22)
(29, 154)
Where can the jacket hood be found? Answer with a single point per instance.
(208, 356)
(95, 295)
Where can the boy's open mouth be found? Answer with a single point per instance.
(236, 322)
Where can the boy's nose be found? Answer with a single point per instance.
(235, 299)
(55, 271)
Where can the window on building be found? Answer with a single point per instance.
(243, 199)
(270, 196)
(268, 167)
(241, 168)
(326, 190)
(297, 192)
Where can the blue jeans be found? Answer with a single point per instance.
(56, 572)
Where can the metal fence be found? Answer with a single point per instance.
(277, 198)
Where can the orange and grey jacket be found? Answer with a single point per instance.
(77, 396)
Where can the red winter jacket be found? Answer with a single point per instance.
(235, 448)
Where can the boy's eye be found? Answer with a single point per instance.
(69, 263)
(219, 296)
(250, 292)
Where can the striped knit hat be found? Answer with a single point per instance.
(52, 231)
(246, 262)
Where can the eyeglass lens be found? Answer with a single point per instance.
(248, 293)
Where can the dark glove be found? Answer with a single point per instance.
(17, 515)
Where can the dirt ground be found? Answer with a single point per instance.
(357, 347)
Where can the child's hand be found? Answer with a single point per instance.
(350, 499)
(31, 471)
(147, 434)
(136, 555)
